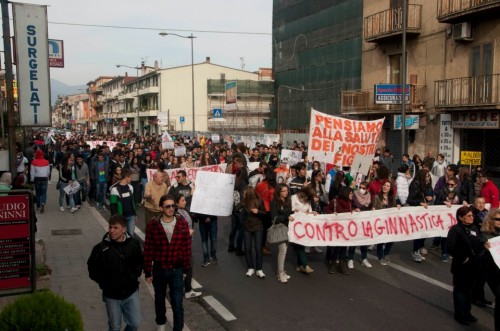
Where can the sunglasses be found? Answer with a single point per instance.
(496, 218)
(451, 185)
(169, 206)
(178, 176)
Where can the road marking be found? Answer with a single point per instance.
(415, 274)
(219, 308)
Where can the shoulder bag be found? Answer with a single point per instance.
(277, 233)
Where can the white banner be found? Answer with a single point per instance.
(213, 194)
(372, 227)
(337, 140)
(190, 172)
(33, 77)
(94, 143)
(180, 151)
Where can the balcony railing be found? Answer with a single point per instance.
(468, 91)
(389, 22)
(450, 10)
(362, 101)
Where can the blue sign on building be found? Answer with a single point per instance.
(217, 113)
(390, 94)
(182, 119)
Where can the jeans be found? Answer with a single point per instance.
(237, 231)
(173, 279)
(62, 194)
(384, 251)
(41, 192)
(208, 230)
(130, 224)
(81, 196)
(100, 194)
(462, 294)
(301, 255)
(364, 252)
(256, 237)
(130, 308)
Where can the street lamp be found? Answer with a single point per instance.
(163, 34)
(136, 120)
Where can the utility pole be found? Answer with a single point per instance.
(9, 82)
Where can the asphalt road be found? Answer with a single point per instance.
(402, 296)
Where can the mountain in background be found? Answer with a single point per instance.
(58, 88)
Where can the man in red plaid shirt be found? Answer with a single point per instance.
(167, 257)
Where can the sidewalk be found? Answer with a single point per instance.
(68, 240)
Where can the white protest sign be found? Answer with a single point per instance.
(94, 143)
(166, 141)
(72, 188)
(361, 165)
(215, 138)
(213, 194)
(252, 166)
(372, 227)
(190, 172)
(290, 157)
(180, 151)
(495, 249)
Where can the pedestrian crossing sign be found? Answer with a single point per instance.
(217, 113)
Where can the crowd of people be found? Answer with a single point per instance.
(269, 194)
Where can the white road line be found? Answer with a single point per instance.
(414, 274)
(195, 285)
(219, 308)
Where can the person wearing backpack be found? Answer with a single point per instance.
(121, 200)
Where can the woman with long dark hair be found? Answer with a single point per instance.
(253, 217)
(385, 199)
(281, 211)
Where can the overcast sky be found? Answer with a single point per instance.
(92, 51)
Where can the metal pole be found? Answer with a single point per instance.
(192, 79)
(9, 79)
(403, 81)
(138, 104)
(168, 119)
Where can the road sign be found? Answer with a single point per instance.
(217, 113)
(182, 119)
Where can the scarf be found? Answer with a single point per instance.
(363, 199)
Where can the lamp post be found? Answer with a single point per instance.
(136, 120)
(163, 34)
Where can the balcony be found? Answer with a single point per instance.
(148, 112)
(456, 11)
(388, 24)
(127, 96)
(461, 93)
(149, 90)
(359, 102)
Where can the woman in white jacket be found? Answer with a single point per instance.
(403, 184)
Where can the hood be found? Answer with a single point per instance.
(38, 154)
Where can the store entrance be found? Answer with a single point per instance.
(487, 142)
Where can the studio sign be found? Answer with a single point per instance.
(13, 210)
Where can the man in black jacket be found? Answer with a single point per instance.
(116, 264)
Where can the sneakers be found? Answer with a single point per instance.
(316, 250)
(417, 257)
(445, 258)
(287, 276)
(61, 208)
(423, 251)
(97, 205)
(73, 209)
(191, 294)
(78, 206)
(350, 264)
(365, 263)
(282, 278)
(383, 261)
(307, 269)
(205, 264)
(307, 250)
(260, 274)
(250, 272)
(42, 208)
(213, 260)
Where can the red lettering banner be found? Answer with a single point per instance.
(337, 140)
(371, 227)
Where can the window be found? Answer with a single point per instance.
(481, 70)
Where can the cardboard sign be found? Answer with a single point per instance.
(213, 194)
(290, 157)
(495, 249)
(470, 158)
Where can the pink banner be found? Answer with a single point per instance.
(190, 172)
